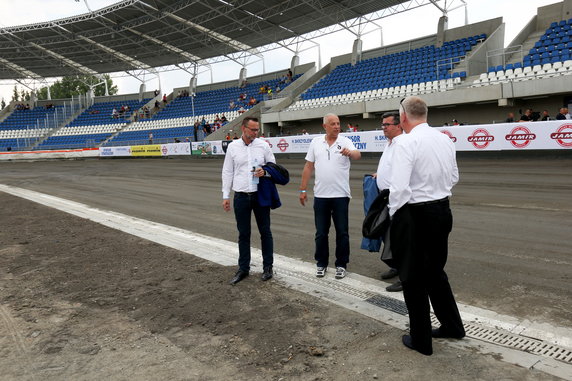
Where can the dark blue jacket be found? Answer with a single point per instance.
(267, 192)
(370, 193)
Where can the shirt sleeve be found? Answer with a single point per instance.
(227, 174)
(268, 155)
(310, 155)
(455, 174)
(400, 177)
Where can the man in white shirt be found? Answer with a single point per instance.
(240, 172)
(329, 155)
(424, 170)
(391, 126)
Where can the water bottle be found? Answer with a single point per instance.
(255, 179)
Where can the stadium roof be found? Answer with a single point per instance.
(143, 34)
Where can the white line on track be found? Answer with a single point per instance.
(296, 274)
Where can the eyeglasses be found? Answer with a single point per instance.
(253, 129)
(385, 125)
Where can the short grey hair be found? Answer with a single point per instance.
(415, 108)
(327, 116)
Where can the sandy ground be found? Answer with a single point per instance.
(509, 249)
(79, 301)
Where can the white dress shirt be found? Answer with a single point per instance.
(332, 169)
(237, 167)
(384, 166)
(424, 167)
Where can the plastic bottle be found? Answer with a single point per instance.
(255, 180)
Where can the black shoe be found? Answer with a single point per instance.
(408, 342)
(391, 273)
(240, 275)
(440, 333)
(395, 287)
(267, 274)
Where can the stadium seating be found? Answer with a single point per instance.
(80, 137)
(212, 102)
(27, 119)
(551, 56)
(101, 113)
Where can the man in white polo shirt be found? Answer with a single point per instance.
(329, 155)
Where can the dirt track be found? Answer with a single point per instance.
(81, 301)
(509, 249)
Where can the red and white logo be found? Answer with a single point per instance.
(520, 137)
(481, 138)
(268, 141)
(450, 135)
(165, 150)
(563, 135)
(283, 145)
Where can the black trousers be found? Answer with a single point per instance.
(419, 242)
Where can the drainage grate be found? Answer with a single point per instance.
(387, 303)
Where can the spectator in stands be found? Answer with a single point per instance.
(304, 132)
(350, 128)
(510, 118)
(207, 128)
(146, 111)
(455, 122)
(228, 136)
(545, 116)
(241, 110)
(216, 119)
(262, 89)
(114, 114)
(231, 104)
(196, 128)
(269, 93)
(252, 101)
(527, 116)
(27, 106)
(223, 119)
(289, 76)
(150, 138)
(277, 90)
(563, 114)
(122, 111)
(93, 112)
(165, 98)
(156, 92)
(235, 137)
(356, 128)
(157, 105)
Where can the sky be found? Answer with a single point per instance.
(397, 28)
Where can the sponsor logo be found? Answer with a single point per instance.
(520, 137)
(165, 150)
(380, 137)
(354, 138)
(268, 141)
(302, 141)
(450, 135)
(282, 145)
(563, 135)
(480, 138)
(106, 152)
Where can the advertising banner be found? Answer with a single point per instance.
(147, 150)
(114, 151)
(176, 149)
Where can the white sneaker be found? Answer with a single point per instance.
(321, 271)
(340, 272)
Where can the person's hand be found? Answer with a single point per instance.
(374, 175)
(259, 172)
(226, 205)
(303, 198)
(346, 152)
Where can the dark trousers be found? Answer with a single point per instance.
(244, 205)
(326, 210)
(419, 242)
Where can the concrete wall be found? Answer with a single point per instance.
(553, 12)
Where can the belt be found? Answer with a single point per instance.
(245, 193)
(430, 202)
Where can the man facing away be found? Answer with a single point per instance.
(392, 129)
(424, 170)
(329, 156)
(241, 171)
